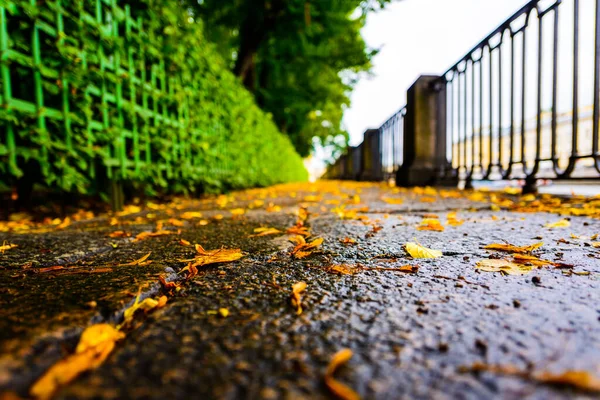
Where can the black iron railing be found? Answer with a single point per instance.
(522, 104)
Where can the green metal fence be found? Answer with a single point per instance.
(98, 91)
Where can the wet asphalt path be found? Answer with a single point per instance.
(412, 334)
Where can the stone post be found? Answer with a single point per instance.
(424, 134)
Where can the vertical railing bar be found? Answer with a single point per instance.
(538, 130)
(500, 140)
(523, 99)
(465, 113)
(507, 173)
(491, 107)
(481, 113)
(472, 118)
(574, 148)
(596, 111)
(555, 90)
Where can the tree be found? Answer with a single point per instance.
(300, 58)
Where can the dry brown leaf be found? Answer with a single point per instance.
(336, 387)
(168, 286)
(297, 290)
(509, 248)
(344, 269)
(191, 270)
(348, 240)
(139, 261)
(417, 251)
(95, 345)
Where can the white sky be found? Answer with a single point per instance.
(417, 37)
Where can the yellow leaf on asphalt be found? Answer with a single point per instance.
(393, 200)
(95, 345)
(509, 248)
(7, 246)
(265, 232)
(304, 249)
(503, 266)
(223, 312)
(205, 257)
(430, 224)
(297, 290)
(237, 211)
(298, 230)
(148, 304)
(417, 251)
(139, 261)
(191, 215)
(337, 388)
(563, 223)
(578, 379)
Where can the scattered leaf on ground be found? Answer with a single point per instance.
(563, 223)
(297, 290)
(7, 246)
(147, 305)
(339, 389)
(139, 261)
(95, 345)
(578, 379)
(304, 249)
(145, 235)
(265, 232)
(503, 266)
(417, 251)
(509, 248)
(430, 224)
(206, 257)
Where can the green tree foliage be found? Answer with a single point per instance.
(300, 58)
(133, 92)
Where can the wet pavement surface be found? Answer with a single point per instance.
(414, 333)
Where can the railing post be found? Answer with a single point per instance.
(425, 161)
(371, 166)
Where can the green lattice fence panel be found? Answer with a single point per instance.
(99, 90)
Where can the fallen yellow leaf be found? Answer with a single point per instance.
(95, 345)
(139, 261)
(304, 249)
(563, 223)
(430, 224)
(7, 246)
(336, 387)
(578, 379)
(265, 232)
(148, 304)
(417, 251)
(205, 257)
(503, 266)
(514, 249)
(297, 290)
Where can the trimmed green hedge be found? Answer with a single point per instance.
(99, 90)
